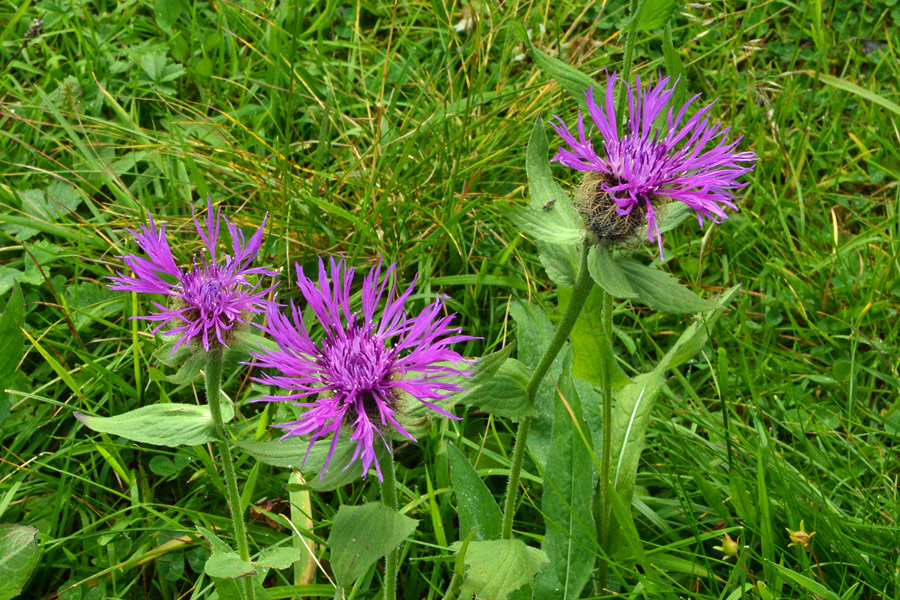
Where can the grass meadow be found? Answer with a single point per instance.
(370, 129)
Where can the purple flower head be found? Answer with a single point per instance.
(355, 377)
(693, 162)
(208, 298)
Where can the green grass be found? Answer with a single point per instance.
(371, 130)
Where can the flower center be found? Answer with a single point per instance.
(358, 366)
(602, 214)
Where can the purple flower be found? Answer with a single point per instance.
(693, 162)
(207, 299)
(355, 378)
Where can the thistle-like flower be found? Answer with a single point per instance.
(208, 299)
(355, 379)
(639, 172)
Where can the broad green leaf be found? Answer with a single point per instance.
(290, 454)
(560, 262)
(674, 215)
(634, 402)
(161, 424)
(550, 205)
(692, 340)
(278, 557)
(11, 324)
(543, 228)
(630, 420)
(592, 350)
(230, 589)
(568, 77)
(361, 535)
(659, 290)
(652, 14)
(497, 568)
(18, 558)
(606, 273)
(474, 501)
(485, 369)
(534, 332)
(504, 394)
(567, 496)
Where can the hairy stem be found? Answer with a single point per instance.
(583, 286)
(214, 362)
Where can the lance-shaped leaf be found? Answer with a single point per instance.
(659, 290)
(497, 568)
(567, 497)
(291, 452)
(553, 206)
(162, 424)
(534, 332)
(593, 351)
(635, 401)
(607, 274)
(652, 14)
(503, 394)
(476, 506)
(361, 535)
(18, 558)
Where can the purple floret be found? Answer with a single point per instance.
(693, 162)
(352, 378)
(208, 298)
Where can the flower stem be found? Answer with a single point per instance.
(214, 363)
(389, 498)
(583, 286)
(606, 453)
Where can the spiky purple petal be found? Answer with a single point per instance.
(211, 295)
(350, 379)
(692, 162)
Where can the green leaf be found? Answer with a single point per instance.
(592, 350)
(630, 420)
(692, 340)
(534, 332)
(227, 565)
(278, 557)
(652, 14)
(361, 535)
(567, 496)
(568, 77)
(553, 205)
(11, 324)
(161, 424)
(659, 290)
(291, 452)
(503, 394)
(673, 216)
(497, 568)
(474, 501)
(607, 274)
(18, 558)
(674, 69)
(543, 228)
(167, 13)
(859, 91)
(162, 466)
(814, 587)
